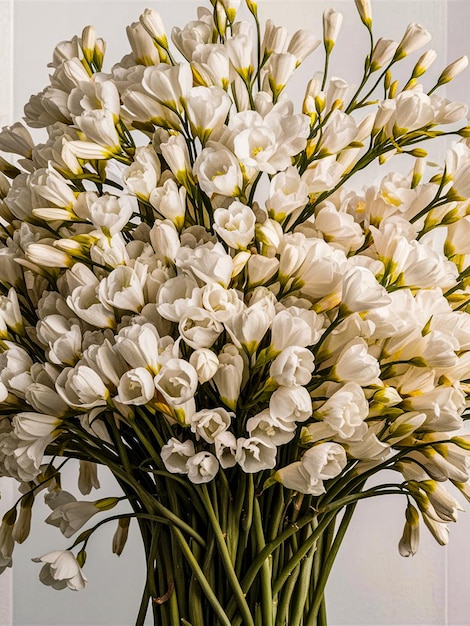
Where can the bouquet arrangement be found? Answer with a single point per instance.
(193, 298)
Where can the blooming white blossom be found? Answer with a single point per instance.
(61, 570)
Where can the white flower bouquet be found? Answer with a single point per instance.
(195, 299)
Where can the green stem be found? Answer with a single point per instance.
(202, 580)
(227, 563)
(282, 616)
(301, 589)
(266, 590)
(328, 564)
(253, 570)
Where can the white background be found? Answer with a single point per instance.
(371, 584)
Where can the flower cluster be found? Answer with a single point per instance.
(182, 260)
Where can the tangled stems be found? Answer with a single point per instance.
(228, 552)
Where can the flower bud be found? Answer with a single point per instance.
(332, 21)
(153, 24)
(205, 362)
(136, 387)
(424, 63)
(120, 536)
(452, 70)
(88, 43)
(409, 542)
(365, 13)
(415, 37)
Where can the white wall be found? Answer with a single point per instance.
(371, 584)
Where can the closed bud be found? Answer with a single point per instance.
(120, 536)
(106, 504)
(408, 545)
(415, 37)
(424, 63)
(452, 70)
(23, 523)
(365, 13)
(252, 7)
(88, 43)
(153, 24)
(418, 171)
(462, 442)
(332, 21)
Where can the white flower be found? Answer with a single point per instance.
(123, 288)
(98, 126)
(291, 404)
(287, 193)
(17, 139)
(63, 337)
(71, 516)
(136, 387)
(409, 542)
(383, 53)
(169, 84)
(339, 229)
(153, 24)
(175, 455)
(142, 175)
(254, 455)
(15, 366)
(413, 110)
(240, 49)
(177, 381)
(218, 171)
(209, 263)
(293, 366)
(49, 185)
(319, 463)
(289, 329)
(364, 9)
(192, 37)
(176, 295)
(225, 449)
(107, 212)
(338, 133)
(199, 328)
(206, 364)
(210, 423)
(165, 240)
(61, 570)
(85, 303)
(207, 109)
(302, 44)
(355, 364)
(221, 303)
(361, 291)
(235, 225)
(270, 429)
(175, 152)
(144, 51)
(266, 144)
(202, 467)
(24, 446)
(138, 344)
(415, 37)
(228, 378)
(345, 411)
(81, 387)
(332, 21)
(170, 201)
(248, 328)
